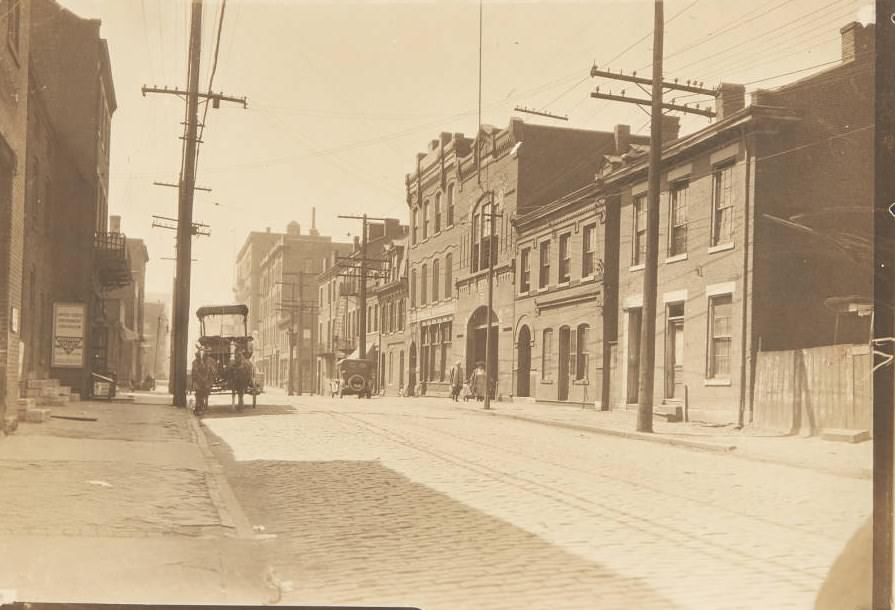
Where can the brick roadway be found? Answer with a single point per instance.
(400, 501)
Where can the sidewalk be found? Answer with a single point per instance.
(129, 508)
(841, 459)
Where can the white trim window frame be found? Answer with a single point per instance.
(723, 199)
(638, 234)
(719, 344)
(679, 195)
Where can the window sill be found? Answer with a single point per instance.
(525, 293)
(721, 248)
(564, 284)
(581, 382)
(547, 381)
(717, 382)
(676, 258)
(639, 267)
(543, 289)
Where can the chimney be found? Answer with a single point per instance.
(114, 224)
(433, 145)
(622, 138)
(293, 229)
(314, 231)
(445, 138)
(857, 41)
(729, 99)
(268, 229)
(671, 127)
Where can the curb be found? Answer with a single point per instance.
(731, 450)
(219, 490)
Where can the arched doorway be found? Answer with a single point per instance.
(475, 340)
(411, 372)
(523, 372)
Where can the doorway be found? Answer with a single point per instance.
(635, 317)
(562, 392)
(411, 372)
(523, 373)
(674, 351)
(475, 341)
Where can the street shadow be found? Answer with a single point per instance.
(225, 411)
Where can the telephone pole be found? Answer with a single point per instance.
(186, 187)
(492, 255)
(646, 380)
(363, 274)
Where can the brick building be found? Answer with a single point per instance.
(521, 167)
(339, 314)
(288, 305)
(390, 297)
(14, 81)
(731, 281)
(248, 274)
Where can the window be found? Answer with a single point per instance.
(639, 250)
(448, 279)
(424, 276)
(401, 315)
(376, 325)
(438, 212)
(544, 274)
(722, 205)
(446, 330)
(426, 220)
(435, 280)
(565, 260)
(720, 310)
(489, 237)
(677, 222)
(390, 366)
(450, 205)
(588, 250)
(547, 356)
(474, 229)
(413, 226)
(525, 270)
(413, 288)
(582, 353)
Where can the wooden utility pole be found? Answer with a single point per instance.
(492, 255)
(187, 186)
(361, 271)
(648, 324)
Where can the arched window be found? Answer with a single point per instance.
(437, 212)
(450, 206)
(413, 288)
(426, 220)
(423, 284)
(582, 352)
(547, 355)
(435, 280)
(448, 280)
(474, 231)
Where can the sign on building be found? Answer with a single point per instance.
(69, 335)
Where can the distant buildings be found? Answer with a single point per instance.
(156, 333)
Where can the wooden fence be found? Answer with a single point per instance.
(807, 390)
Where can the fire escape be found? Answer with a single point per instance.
(112, 272)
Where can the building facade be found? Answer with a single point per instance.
(758, 212)
(288, 306)
(457, 185)
(247, 288)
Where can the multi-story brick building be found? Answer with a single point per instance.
(731, 281)
(15, 55)
(339, 289)
(390, 299)
(248, 274)
(521, 168)
(288, 305)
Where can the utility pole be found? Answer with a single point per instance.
(646, 382)
(650, 273)
(492, 255)
(186, 186)
(363, 274)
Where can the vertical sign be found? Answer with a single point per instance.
(69, 335)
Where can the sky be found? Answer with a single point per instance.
(342, 95)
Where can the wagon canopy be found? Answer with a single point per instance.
(222, 310)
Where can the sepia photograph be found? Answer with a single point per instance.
(447, 304)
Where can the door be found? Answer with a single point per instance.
(633, 377)
(523, 373)
(563, 373)
(674, 352)
(411, 372)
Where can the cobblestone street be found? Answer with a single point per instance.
(417, 502)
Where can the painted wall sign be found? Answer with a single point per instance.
(69, 335)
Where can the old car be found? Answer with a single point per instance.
(355, 376)
(223, 333)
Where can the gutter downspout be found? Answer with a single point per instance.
(746, 343)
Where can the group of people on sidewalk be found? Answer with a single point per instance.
(205, 372)
(473, 387)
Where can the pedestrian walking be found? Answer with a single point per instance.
(477, 381)
(457, 380)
